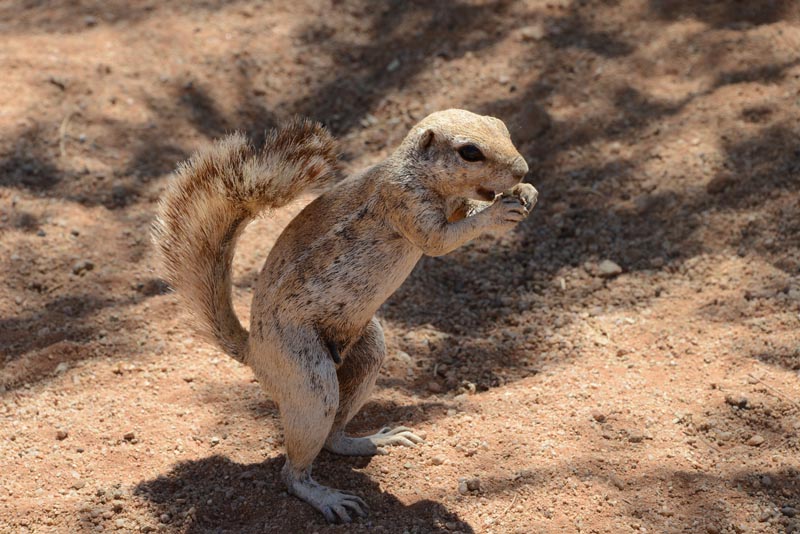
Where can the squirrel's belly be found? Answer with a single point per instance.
(346, 294)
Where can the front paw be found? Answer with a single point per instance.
(526, 193)
(506, 213)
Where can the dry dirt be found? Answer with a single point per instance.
(663, 135)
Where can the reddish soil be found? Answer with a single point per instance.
(663, 135)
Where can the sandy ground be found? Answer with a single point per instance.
(556, 392)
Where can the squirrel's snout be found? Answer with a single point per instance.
(519, 168)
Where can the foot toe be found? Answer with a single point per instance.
(341, 513)
(356, 505)
(402, 440)
(330, 517)
(413, 437)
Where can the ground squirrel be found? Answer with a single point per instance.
(314, 343)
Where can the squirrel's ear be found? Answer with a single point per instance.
(425, 139)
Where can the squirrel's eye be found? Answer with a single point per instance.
(471, 153)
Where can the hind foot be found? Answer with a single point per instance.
(340, 443)
(334, 504)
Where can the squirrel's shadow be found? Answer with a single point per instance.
(216, 494)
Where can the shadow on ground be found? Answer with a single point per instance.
(253, 498)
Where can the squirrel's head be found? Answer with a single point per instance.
(463, 154)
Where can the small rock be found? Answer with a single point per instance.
(720, 183)
(393, 65)
(712, 529)
(755, 440)
(129, 436)
(616, 481)
(61, 434)
(164, 518)
(766, 481)
(465, 485)
(90, 20)
(634, 436)
(82, 266)
(534, 32)
(214, 441)
(598, 416)
(608, 269)
(788, 511)
(78, 484)
(438, 459)
(120, 523)
(119, 193)
(434, 387)
(736, 400)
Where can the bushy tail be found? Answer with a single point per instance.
(211, 199)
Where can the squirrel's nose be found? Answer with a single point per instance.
(519, 168)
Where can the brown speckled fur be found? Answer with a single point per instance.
(333, 266)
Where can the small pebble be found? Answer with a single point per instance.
(788, 511)
(616, 481)
(214, 441)
(61, 434)
(78, 484)
(535, 32)
(434, 387)
(129, 436)
(598, 416)
(634, 436)
(438, 459)
(608, 269)
(755, 440)
(736, 400)
(82, 266)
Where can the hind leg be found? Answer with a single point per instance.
(302, 379)
(357, 376)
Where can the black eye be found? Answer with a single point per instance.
(471, 153)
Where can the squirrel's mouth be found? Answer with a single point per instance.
(485, 194)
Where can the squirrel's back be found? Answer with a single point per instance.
(211, 199)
